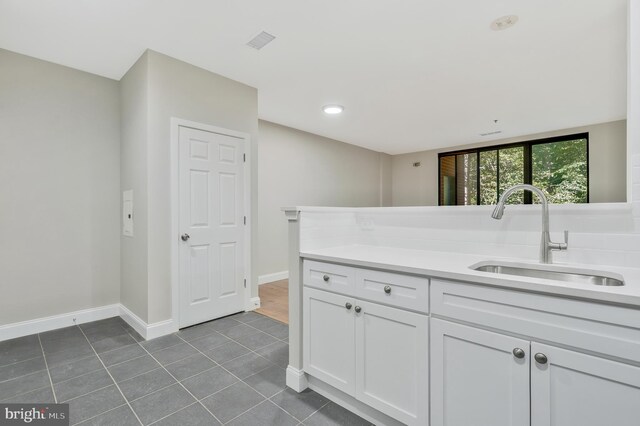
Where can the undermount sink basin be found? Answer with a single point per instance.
(551, 272)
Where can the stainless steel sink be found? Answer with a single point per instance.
(551, 272)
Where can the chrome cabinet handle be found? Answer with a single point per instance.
(358, 309)
(185, 237)
(325, 278)
(387, 289)
(518, 353)
(540, 358)
(348, 305)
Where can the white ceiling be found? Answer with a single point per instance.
(412, 74)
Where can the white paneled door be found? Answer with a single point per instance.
(211, 225)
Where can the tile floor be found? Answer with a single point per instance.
(227, 371)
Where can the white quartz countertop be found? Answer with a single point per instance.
(455, 266)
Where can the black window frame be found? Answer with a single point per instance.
(527, 145)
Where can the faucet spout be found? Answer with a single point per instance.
(546, 245)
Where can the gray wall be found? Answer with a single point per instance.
(133, 176)
(59, 182)
(418, 186)
(156, 89)
(303, 169)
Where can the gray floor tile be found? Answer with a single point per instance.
(111, 343)
(226, 352)
(75, 368)
(162, 403)
(23, 368)
(281, 331)
(121, 416)
(93, 404)
(19, 349)
(82, 385)
(72, 353)
(128, 369)
(102, 331)
(193, 415)
(239, 330)
(209, 382)
(247, 316)
(256, 341)
(278, 353)
(232, 401)
(247, 365)
(136, 336)
(334, 415)
(264, 323)
(265, 414)
(174, 353)
(146, 383)
(210, 341)
(224, 324)
(300, 405)
(24, 384)
(190, 366)
(44, 395)
(123, 354)
(197, 331)
(161, 342)
(269, 381)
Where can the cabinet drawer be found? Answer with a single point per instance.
(606, 329)
(328, 276)
(404, 291)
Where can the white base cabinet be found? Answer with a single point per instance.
(375, 353)
(477, 378)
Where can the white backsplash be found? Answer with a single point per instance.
(599, 234)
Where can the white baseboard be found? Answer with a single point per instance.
(296, 379)
(40, 325)
(269, 278)
(148, 331)
(254, 303)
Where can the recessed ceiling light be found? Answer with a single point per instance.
(504, 22)
(333, 109)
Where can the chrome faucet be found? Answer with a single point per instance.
(546, 245)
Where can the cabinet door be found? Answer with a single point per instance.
(475, 377)
(577, 389)
(392, 370)
(329, 338)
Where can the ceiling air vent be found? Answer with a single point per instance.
(491, 133)
(261, 40)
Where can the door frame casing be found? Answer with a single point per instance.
(174, 197)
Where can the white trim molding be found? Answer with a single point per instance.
(40, 325)
(254, 303)
(276, 276)
(147, 331)
(296, 379)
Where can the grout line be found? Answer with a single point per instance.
(24, 393)
(114, 381)
(93, 417)
(309, 416)
(171, 414)
(22, 360)
(46, 365)
(180, 383)
(85, 394)
(23, 375)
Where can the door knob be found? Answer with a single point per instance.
(348, 305)
(518, 353)
(185, 237)
(387, 289)
(540, 358)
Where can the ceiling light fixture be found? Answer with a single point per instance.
(504, 22)
(333, 109)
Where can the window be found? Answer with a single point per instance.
(559, 166)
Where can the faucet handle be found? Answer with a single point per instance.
(566, 241)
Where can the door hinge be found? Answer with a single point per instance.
(245, 283)
(244, 158)
(245, 220)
